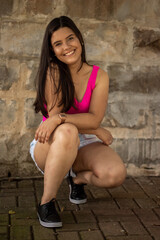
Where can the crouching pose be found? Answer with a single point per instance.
(72, 97)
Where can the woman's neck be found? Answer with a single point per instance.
(74, 68)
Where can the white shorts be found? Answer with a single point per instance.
(85, 139)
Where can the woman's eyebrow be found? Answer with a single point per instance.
(60, 40)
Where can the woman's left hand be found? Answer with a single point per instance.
(104, 135)
(46, 128)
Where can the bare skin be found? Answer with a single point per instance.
(57, 148)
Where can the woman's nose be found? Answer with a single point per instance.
(65, 45)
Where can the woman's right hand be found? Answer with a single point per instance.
(45, 129)
(104, 135)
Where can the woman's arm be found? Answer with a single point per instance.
(45, 129)
(93, 118)
(102, 133)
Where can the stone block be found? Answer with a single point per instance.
(8, 112)
(143, 79)
(124, 10)
(140, 155)
(105, 42)
(120, 10)
(38, 6)
(127, 111)
(89, 9)
(26, 38)
(28, 74)
(32, 119)
(6, 7)
(9, 74)
(146, 37)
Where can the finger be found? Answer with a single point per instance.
(36, 134)
(42, 137)
(47, 136)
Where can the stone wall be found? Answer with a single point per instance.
(122, 37)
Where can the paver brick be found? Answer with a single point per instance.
(100, 204)
(146, 215)
(155, 232)
(130, 238)
(134, 228)
(131, 186)
(8, 184)
(127, 203)
(148, 203)
(78, 227)
(99, 192)
(3, 229)
(118, 192)
(67, 217)
(7, 202)
(157, 210)
(84, 216)
(112, 229)
(21, 213)
(3, 237)
(26, 201)
(4, 219)
(25, 184)
(91, 235)
(41, 233)
(66, 205)
(18, 232)
(68, 235)
(24, 222)
(125, 215)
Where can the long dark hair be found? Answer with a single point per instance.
(48, 60)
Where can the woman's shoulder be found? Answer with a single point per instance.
(102, 74)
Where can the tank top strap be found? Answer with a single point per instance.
(94, 76)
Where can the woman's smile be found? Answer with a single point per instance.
(69, 53)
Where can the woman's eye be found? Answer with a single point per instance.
(58, 44)
(70, 38)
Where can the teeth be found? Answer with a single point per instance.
(67, 54)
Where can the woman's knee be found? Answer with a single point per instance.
(67, 134)
(111, 176)
(117, 176)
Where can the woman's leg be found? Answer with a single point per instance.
(56, 158)
(99, 165)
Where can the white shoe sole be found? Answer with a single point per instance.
(49, 225)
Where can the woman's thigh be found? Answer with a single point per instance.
(100, 159)
(40, 154)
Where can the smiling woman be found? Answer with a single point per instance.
(72, 97)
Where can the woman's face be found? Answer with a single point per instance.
(66, 46)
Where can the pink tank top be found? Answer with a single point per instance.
(84, 104)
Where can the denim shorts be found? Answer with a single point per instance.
(85, 139)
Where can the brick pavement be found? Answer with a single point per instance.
(128, 212)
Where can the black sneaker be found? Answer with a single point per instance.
(48, 215)
(77, 194)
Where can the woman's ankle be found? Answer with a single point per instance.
(45, 200)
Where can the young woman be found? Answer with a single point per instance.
(72, 96)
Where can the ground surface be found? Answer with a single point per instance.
(129, 212)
